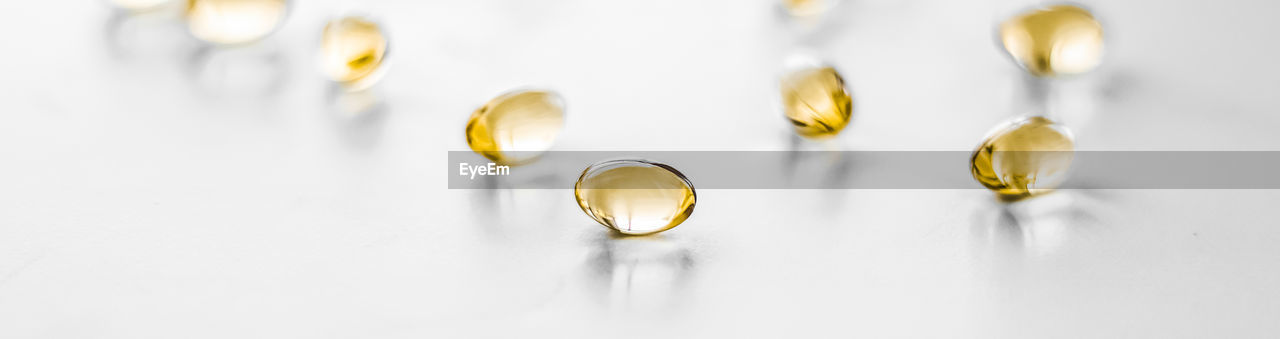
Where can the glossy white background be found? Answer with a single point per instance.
(152, 190)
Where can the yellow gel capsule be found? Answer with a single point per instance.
(1023, 158)
(816, 101)
(139, 5)
(635, 197)
(1057, 40)
(352, 51)
(516, 127)
(230, 22)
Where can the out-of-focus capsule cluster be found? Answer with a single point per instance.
(353, 49)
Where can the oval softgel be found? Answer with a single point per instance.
(516, 127)
(1023, 158)
(352, 50)
(1056, 40)
(816, 101)
(635, 197)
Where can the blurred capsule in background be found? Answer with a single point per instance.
(230, 22)
(139, 5)
(816, 101)
(353, 50)
(1058, 40)
(807, 8)
(1023, 158)
(635, 197)
(516, 127)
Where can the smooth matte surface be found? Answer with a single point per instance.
(151, 188)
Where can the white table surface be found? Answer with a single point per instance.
(152, 189)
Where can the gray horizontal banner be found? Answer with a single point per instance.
(880, 169)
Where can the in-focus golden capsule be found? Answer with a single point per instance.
(1023, 158)
(635, 197)
(352, 51)
(139, 5)
(230, 22)
(516, 127)
(1061, 39)
(816, 101)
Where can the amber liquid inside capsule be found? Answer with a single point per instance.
(1057, 40)
(635, 197)
(234, 21)
(516, 127)
(352, 50)
(816, 102)
(1024, 158)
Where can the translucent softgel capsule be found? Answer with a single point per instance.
(516, 127)
(234, 21)
(1023, 158)
(816, 101)
(352, 51)
(1057, 40)
(635, 197)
